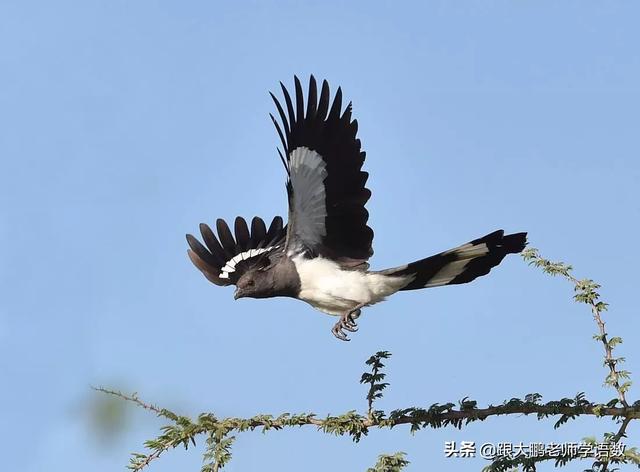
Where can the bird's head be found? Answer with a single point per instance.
(257, 283)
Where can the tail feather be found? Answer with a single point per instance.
(462, 264)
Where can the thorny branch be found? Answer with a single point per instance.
(357, 426)
(586, 292)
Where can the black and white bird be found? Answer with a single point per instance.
(321, 255)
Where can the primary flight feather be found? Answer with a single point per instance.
(321, 255)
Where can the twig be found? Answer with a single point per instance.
(586, 294)
(133, 398)
(623, 430)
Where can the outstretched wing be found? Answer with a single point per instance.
(225, 258)
(326, 186)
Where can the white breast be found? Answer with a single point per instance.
(333, 290)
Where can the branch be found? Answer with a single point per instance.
(586, 292)
(356, 425)
(133, 398)
(374, 379)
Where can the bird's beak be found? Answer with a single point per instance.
(237, 294)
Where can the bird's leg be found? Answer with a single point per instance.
(347, 322)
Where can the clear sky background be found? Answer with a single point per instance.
(124, 124)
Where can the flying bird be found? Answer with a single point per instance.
(320, 256)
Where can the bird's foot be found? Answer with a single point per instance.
(347, 322)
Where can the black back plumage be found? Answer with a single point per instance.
(212, 257)
(331, 133)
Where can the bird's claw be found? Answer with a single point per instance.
(338, 333)
(347, 322)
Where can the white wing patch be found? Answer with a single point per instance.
(307, 172)
(230, 265)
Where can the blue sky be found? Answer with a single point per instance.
(125, 124)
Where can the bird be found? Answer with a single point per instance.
(321, 255)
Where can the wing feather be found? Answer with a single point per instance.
(299, 101)
(226, 238)
(282, 139)
(292, 116)
(323, 105)
(337, 105)
(258, 230)
(242, 233)
(275, 230)
(201, 251)
(281, 113)
(312, 100)
(326, 186)
(204, 268)
(224, 262)
(212, 243)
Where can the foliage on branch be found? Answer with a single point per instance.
(220, 433)
(390, 463)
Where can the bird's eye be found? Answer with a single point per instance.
(250, 283)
